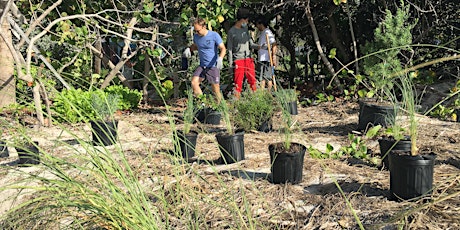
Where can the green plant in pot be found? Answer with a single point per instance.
(411, 172)
(286, 157)
(254, 111)
(185, 143)
(287, 98)
(104, 127)
(27, 149)
(231, 142)
(382, 59)
(208, 110)
(394, 138)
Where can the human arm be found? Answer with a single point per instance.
(230, 47)
(252, 44)
(223, 50)
(273, 53)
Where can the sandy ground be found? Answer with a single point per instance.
(316, 202)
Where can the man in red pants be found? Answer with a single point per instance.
(239, 44)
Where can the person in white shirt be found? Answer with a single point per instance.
(264, 67)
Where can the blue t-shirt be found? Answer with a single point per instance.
(207, 48)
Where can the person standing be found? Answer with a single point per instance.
(207, 43)
(239, 44)
(265, 68)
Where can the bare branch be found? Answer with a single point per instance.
(36, 22)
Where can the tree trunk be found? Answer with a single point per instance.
(328, 64)
(7, 80)
(352, 31)
(97, 60)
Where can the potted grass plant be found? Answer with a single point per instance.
(288, 100)
(27, 150)
(411, 172)
(254, 111)
(286, 157)
(185, 143)
(383, 58)
(231, 142)
(104, 127)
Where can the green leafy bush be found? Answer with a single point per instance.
(72, 106)
(75, 105)
(129, 98)
(253, 109)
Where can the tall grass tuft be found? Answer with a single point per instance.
(94, 188)
(284, 97)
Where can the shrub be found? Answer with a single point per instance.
(75, 105)
(253, 109)
(72, 106)
(128, 98)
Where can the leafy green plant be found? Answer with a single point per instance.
(159, 78)
(208, 101)
(321, 97)
(128, 98)
(317, 154)
(356, 149)
(253, 109)
(73, 105)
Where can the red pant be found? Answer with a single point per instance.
(244, 67)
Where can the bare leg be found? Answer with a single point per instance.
(196, 85)
(216, 90)
(262, 84)
(269, 85)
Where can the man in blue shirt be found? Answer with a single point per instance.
(207, 43)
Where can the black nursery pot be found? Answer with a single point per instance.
(231, 146)
(104, 132)
(212, 117)
(287, 167)
(411, 176)
(265, 127)
(208, 116)
(3, 150)
(292, 107)
(28, 154)
(187, 144)
(373, 113)
(390, 144)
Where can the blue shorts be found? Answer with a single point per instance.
(265, 71)
(212, 74)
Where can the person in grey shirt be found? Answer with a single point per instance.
(239, 44)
